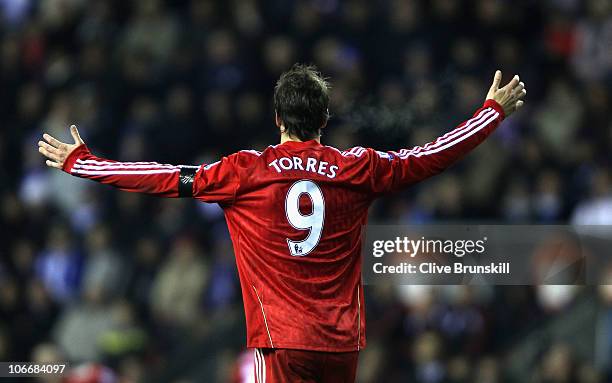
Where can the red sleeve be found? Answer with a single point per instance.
(217, 182)
(393, 170)
(141, 177)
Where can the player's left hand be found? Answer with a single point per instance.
(57, 151)
(510, 97)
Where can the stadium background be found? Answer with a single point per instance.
(147, 287)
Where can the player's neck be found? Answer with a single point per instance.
(288, 138)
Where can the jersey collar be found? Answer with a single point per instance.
(300, 144)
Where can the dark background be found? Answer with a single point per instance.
(146, 289)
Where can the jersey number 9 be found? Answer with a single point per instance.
(312, 222)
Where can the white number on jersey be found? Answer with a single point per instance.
(312, 222)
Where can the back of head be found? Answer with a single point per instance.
(301, 100)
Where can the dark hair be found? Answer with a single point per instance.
(301, 100)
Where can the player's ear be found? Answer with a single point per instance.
(325, 120)
(277, 120)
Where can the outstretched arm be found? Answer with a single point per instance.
(393, 170)
(143, 177)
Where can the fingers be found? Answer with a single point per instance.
(48, 147)
(518, 88)
(519, 92)
(75, 134)
(512, 84)
(53, 164)
(496, 80)
(510, 96)
(52, 141)
(53, 156)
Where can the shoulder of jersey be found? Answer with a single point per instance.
(359, 151)
(256, 153)
(355, 152)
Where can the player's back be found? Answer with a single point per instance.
(296, 222)
(295, 214)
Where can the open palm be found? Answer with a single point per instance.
(57, 151)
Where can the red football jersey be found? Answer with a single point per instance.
(295, 213)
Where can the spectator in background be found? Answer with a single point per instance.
(152, 30)
(557, 120)
(125, 337)
(59, 266)
(593, 57)
(104, 269)
(79, 327)
(597, 209)
(177, 289)
(146, 259)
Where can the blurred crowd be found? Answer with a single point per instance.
(131, 287)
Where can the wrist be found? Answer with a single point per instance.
(490, 103)
(73, 156)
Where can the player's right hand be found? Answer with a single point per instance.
(510, 97)
(57, 151)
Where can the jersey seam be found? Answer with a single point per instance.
(264, 316)
(358, 318)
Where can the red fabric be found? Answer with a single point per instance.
(312, 300)
(141, 177)
(300, 366)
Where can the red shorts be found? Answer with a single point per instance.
(301, 366)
